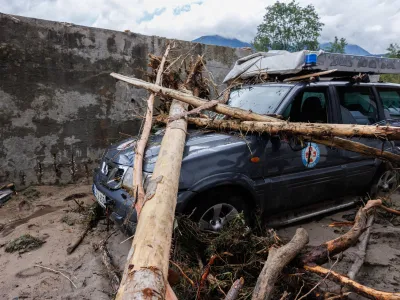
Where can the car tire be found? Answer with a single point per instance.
(214, 209)
(385, 183)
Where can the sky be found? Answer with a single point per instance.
(371, 24)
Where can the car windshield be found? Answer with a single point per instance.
(258, 99)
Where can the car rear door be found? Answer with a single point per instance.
(358, 105)
(301, 175)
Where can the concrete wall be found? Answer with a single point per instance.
(59, 108)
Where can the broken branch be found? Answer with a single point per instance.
(277, 259)
(235, 289)
(321, 254)
(352, 285)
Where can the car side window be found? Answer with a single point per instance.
(391, 102)
(357, 105)
(310, 105)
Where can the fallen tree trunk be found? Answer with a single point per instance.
(147, 269)
(277, 259)
(304, 128)
(138, 190)
(313, 129)
(322, 253)
(352, 285)
(148, 266)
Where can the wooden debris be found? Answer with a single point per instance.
(352, 285)
(305, 129)
(321, 254)
(235, 289)
(148, 266)
(362, 250)
(278, 258)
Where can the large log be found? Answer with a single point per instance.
(352, 285)
(148, 266)
(322, 253)
(277, 259)
(316, 130)
(308, 132)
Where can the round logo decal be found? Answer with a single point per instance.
(310, 155)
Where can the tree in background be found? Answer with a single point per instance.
(288, 27)
(393, 52)
(338, 46)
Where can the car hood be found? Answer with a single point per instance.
(197, 140)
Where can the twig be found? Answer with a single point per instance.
(183, 273)
(322, 280)
(71, 248)
(131, 237)
(58, 272)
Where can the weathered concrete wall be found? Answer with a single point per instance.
(59, 108)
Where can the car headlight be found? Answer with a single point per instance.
(128, 178)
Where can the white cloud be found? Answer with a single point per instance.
(372, 24)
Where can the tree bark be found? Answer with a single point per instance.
(314, 133)
(313, 129)
(321, 254)
(148, 266)
(276, 261)
(138, 190)
(352, 285)
(235, 289)
(362, 250)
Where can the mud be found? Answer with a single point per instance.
(45, 218)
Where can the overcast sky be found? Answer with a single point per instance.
(372, 24)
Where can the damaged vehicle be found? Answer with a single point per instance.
(226, 173)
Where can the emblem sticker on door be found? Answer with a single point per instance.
(310, 155)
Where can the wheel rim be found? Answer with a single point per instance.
(217, 216)
(388, 181)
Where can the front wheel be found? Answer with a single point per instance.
(215, 209)
(386, 183)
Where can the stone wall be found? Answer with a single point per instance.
(59, 108)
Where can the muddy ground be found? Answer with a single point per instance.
(50, 214)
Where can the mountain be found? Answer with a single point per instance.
(235, 43)
(349, 49)
(221, 41)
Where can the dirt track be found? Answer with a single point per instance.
(46, 215)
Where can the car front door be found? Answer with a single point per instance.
(298, 175)
(358, 105)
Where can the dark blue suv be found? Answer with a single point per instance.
(224, 173)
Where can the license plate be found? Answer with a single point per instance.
(101, 198)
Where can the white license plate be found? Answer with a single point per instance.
(101, 198)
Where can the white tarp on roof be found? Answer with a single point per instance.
(284, 62)
(272, 62)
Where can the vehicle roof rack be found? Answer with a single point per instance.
(281, 65)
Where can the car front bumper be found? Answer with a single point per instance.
(118, 202)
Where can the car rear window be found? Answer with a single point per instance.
(391, 102)
(258, 99)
